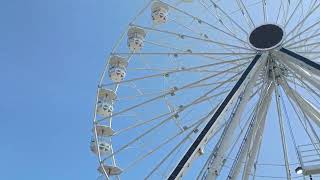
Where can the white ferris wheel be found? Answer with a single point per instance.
(212, 89)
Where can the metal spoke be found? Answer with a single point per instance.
(182, 36)
(196, 101)
(245, 13)
(302, 32)
(180, 70)
(174, 149)
(184, 53)
(303, 20)
(204, 22)
(233, 21)
(294, 11)
(264, 6)
(174, 90)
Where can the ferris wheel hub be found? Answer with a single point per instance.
(266, 37)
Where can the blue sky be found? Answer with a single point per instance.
(51, 55)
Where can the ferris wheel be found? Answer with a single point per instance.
(211, 89)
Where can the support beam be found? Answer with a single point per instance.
(303, 73)
(253, 151)
(210, 127)
(258, 121)
(300, 60)
(282, 131)
(226, 139)
(305, 68)
(311, 111)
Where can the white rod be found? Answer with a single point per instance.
(168, 93)
(303, 20)
(188, 36)
(226, 14)
(196, 101)
(184, 53)
(178, 71)
(245, 13)
(202, 21)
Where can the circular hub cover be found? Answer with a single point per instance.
(266, 37)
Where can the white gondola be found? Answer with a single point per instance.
(104, 131)
(104, 147)
(105, 102)
(117, 68)
(136, 38)
(160, 12)
(110, 170)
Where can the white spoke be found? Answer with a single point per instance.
(182, 36)
(180, 70)
(295, 9)
(196, 101)
(304, 19)
(233, 21)
(184, 53)
(245, 13)
(264, 5)
(202, 21)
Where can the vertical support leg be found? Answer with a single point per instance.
(226, 138)
(260, 114)
(255, 146)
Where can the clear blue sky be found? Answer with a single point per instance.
(51, 54)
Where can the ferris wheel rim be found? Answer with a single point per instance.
(131, 54)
